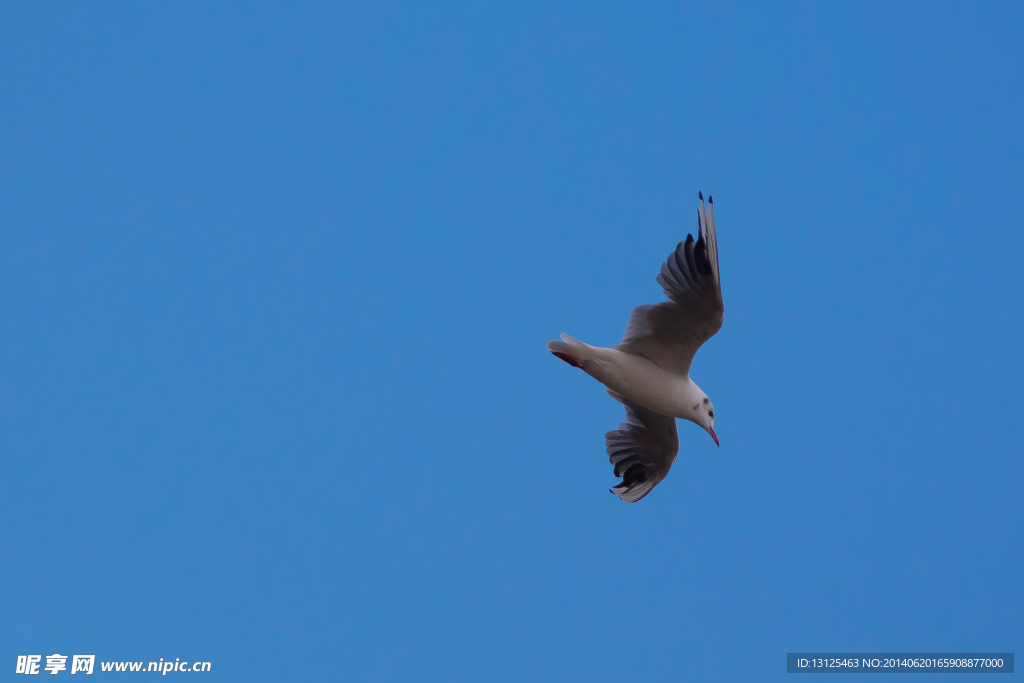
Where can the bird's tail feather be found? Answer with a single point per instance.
(572, 351)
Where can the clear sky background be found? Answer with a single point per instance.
(275, 284)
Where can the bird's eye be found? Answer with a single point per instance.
(711, 413)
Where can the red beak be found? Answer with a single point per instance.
(711, 431)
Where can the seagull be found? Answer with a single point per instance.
(649, 371)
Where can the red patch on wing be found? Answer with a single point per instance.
(568, 359)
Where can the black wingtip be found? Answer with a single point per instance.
(710, 200)
(700, 195)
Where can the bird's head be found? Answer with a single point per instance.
(704, 415)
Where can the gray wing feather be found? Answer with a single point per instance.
(641, 450)
(669, 334)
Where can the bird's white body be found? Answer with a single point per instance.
(642, 381)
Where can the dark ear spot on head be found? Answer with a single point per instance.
(706, 401)
(696, 405)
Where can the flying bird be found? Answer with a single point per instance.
(649, 371)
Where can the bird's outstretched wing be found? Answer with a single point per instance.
(669, 334)
(642, 449)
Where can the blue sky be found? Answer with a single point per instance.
(277, 283)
